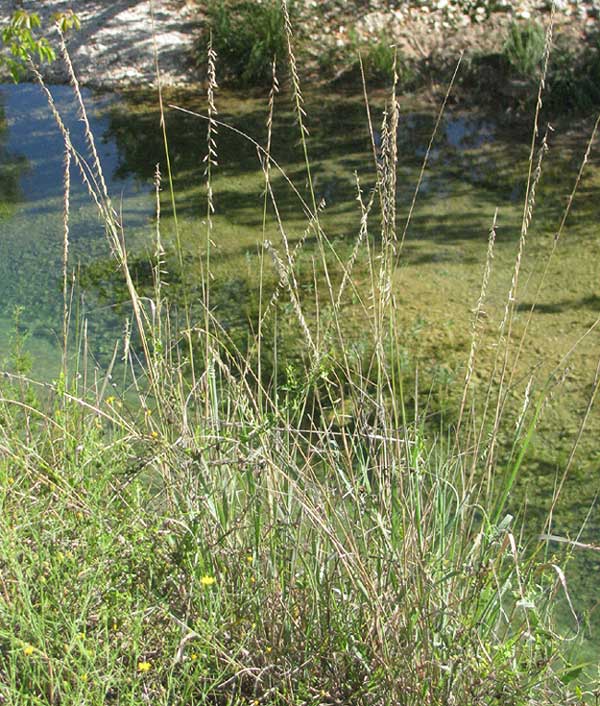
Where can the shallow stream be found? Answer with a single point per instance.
(478, 164)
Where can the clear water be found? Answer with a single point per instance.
(31, 221)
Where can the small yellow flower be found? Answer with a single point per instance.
(28, 650)
(110, 400)
(11, 480)
(194, 656)
(154, 434)
(144, 667)
(249, 558)
(84, 677)
(207, 580)
(268, 649)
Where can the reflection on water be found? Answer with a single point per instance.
(464, 133)
(12, 167)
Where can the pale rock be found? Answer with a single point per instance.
(523, 14)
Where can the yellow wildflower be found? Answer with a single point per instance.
(154, 434)
(28, 650)
(144, 666)
(207, 580)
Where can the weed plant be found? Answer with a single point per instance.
(524, 49)
(247, 37)
(201, 534)
(381, 61)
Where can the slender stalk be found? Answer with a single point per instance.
(65, 261)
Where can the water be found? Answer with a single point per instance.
(130, 144)
(477, 165)
(31, 221)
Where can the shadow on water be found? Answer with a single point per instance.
(339, 146)
(590, 302)
(12, 167)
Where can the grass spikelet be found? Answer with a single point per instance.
(210, 161)
(533, 177)
(288, 280)
(158, 267)
(65, 258)
(89, 136)
(477, 314)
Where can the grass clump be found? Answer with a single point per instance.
(510, 77)
(247, 36)
(206, 535)
(524, 49)
(379, 57)
(256, 564)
